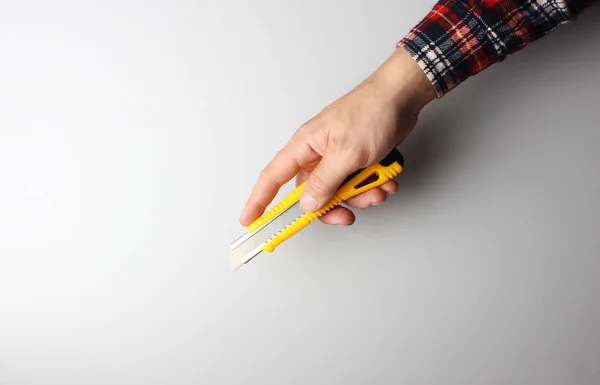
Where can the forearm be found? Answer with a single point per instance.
(459, 39)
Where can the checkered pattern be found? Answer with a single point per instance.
(460, 38)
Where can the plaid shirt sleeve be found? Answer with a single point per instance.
(460, 38)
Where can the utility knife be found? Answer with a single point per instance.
(287, 218)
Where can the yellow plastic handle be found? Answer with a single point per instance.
(357, 183)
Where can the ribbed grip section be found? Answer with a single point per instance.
(392, 171)
(286, 203)
(266, 217)
(347, 191)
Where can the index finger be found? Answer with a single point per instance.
(285, 165)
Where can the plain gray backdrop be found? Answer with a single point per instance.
(131, 134)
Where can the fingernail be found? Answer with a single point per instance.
(375, 204)
(308, 203)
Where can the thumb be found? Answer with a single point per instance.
(325, 180)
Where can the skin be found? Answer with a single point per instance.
(355, 131)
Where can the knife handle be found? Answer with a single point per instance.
(356, 183)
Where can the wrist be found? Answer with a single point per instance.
(401, 80)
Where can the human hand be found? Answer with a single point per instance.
(355, 131)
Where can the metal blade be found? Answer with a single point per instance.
(249, 246)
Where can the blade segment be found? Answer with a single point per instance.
(249, 245)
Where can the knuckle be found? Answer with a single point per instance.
(348, 148)
(305, 127)
(338, 144)
(309, 126)
(268, 174)
(355, 159)
(352, 155)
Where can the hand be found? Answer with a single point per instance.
(355, 131)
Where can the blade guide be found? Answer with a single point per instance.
(246, 247)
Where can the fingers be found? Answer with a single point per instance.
(324, 180)
(340, 216)
(367, 199)
(343, 216)
(284, 166)
(390, 187)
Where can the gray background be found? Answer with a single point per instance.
(132, 134)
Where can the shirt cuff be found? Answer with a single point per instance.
(457, 40)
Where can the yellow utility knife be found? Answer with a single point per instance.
(287, 218)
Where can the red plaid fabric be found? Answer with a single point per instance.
(460, 38)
